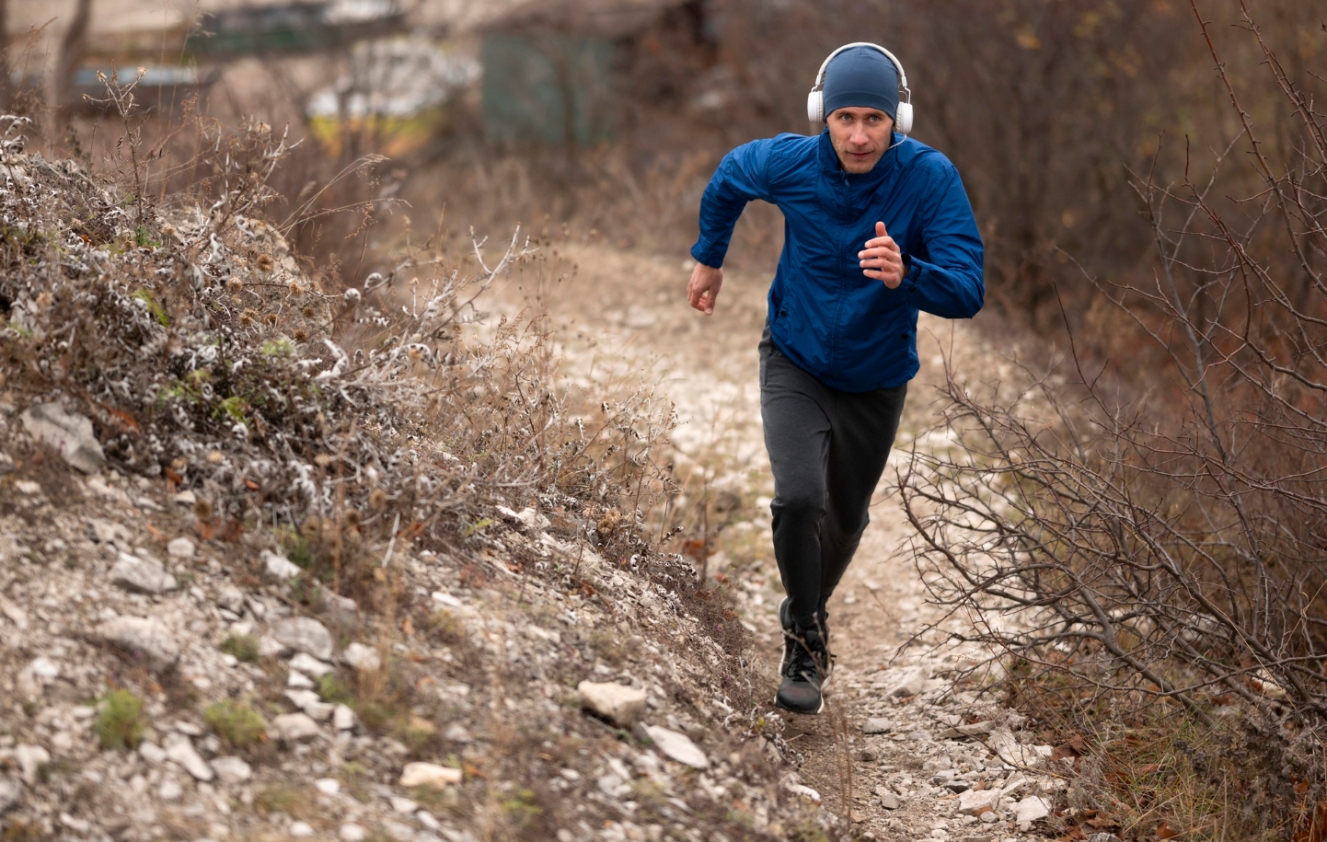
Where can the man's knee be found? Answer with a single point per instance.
(799, 506)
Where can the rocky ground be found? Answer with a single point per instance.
(174, 667)
(910, 746)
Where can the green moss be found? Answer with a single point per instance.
(235, 722)
(332, 689)
(243, 646)
(120, 723)
(154, 307)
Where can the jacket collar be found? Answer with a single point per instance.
(829, 161)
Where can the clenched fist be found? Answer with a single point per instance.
(882, 259)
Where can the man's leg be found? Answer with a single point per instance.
(863, 428)
(797, 436)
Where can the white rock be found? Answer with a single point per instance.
(678, 747)
(528, 519)
(310, 665)
(181, 548)
(28, 487)
(232, 770)
(30, 759)
(1029, 810)
(617, 703)
(141, 575)
(343, 718)
(912, 683)
(457, 733)
(976, 801)
(181, 750)
(1003, 742)
(69, 433)
(34, 677)
(362, 658)
(270, 647)
(170, 790)
(301, 829)
(10, 792)
(975, 729)
(804, 791)
(351, 832)
(278, 566)
(877, 725)
(106, 532)
(152, 753)
(184, 498)
(444, 598)
(327, 786)
(309, 702)
(403, 805)
(231, 598)
(304, 634)
(888, 800)
(16, 615)
(142, 637)
(299, 681)
(429, 776)
(294, 727)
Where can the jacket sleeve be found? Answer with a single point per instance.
(742, 176)
(946, 279)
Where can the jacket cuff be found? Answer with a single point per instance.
(711, 257)
(912, 271)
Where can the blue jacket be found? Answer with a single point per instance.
(851, 332)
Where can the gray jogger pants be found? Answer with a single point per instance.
(827, 450)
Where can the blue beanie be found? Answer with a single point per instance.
(861, 77)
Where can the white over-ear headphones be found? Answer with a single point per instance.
(815, 101)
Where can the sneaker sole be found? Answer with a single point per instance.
(815, 712)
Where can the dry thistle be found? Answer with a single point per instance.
(300, 335)
(44, 300)
(203, 509)
(322, 460)
(309, 312)
(377, 500)
(234, 285)
(270, 319)
(296, 288)
(353, 519)
(214, 457)
(248, 317)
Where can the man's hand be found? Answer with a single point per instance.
(882, 260)
(703, 288)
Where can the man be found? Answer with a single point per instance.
(876, 227)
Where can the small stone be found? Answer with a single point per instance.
(457, 733)
(106, 532)
(301, 829)
(429, 776)
(342, 610)
(1103, 837)
(152, 753)
(403, 805)
(270, 647)
(1029, 810)
(913, 683)
(170, 790)
(141, 575)
(304, 634)
(804, 791)
(10, 792)
(299, 681)
(617, 703)
(974, 801)
(309, 702)
(310, 665)
(142, 637)
(877, 725)
(69, 433)
(528, 519)
(295, 727)
(231, 598)
(678, 747)
(16, 615)
(888, 799)
(30, 760)
(181, 548)
(362, 658)
(185, 498)
(232, 770)
(989, 817)
(343, 718)
(399, 832)
(327, 786)
(351, 832)
(975, 729)
(181, 750)
(27, 487)
(279, 567)
(34, 677)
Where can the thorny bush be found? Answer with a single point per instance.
(390, 413)
(1157, 538)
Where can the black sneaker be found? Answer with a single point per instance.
(804, 673)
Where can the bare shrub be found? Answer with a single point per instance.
(1156, 537)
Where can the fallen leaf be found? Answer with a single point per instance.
(1165, 831)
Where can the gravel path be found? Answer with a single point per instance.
(622, 314)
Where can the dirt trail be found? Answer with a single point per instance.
(621, 313)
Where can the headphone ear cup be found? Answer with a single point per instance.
(903, 120)
(814, 103)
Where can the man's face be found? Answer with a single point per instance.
(860, 136)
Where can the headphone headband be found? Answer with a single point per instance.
(815, 101)
(902, 74)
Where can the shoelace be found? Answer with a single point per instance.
(803, 663)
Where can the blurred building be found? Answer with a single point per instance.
(563, 72)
